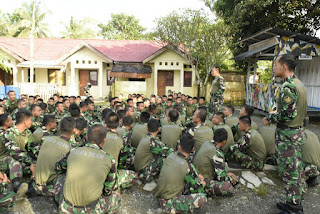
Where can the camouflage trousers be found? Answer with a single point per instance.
(215, 187)
(45, 190)
(290, 165)
(150, 172)
(7, 200)
(8, 164)
(126, 158)
(246, 161)
(126, 178)
(58, 188)
(183, 203)
(216, 104)
(311, 170)
(105, 204)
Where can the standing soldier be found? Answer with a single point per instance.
(291, 111)
(217, 90)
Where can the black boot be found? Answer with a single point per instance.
(19, 188)
(31, 191)
(288, 208)
(313, 181)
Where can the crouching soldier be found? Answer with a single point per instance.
(150, 153)
(250, 150)
(7, 198)
(88, 163)
(180, 189)
(210, 162)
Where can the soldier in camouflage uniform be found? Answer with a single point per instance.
(217, 90)
(230, 120)
(291, 111)
(40, 134)
(171, 132)
(126, 156)
(21, 104)
(249, 151)
(7, 198)
(37, 118)
(190, 109)
(14, 140)
(52, 149)
(11, 103)
(79, 137)
(59, 112)
(90, 114)
(51, 106)
(150, 153)
(180, 189)
(74, 192)
(31, 100)
(137, 113)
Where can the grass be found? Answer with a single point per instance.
(262, 190)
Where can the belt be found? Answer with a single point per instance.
(90, 205)
(282, 126)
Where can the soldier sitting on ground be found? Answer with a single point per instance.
(219, 122)
(229, 118)
(88, 163)
(11, 104)
(249, 151)
(126, 156)
(140, 128)
(210, 162)
(137, 113)
(80, 132)
(180, 189)
(52, 149)
(267, 132)
(36, 117)
(7, 198)
(150, 153)
(21, 104)
(171, 132)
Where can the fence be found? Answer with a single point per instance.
(45, 90)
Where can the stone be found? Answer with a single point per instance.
(150, 186)
(251, 178)
(268, 167)
(243, 182)
(268, 181)
(250, 186)
(138, 181)
(261, 174)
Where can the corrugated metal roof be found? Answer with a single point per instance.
(253, 52)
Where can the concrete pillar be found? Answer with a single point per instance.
(22, 75)
(15, 75)
(72, 86)
(155, 80)
(100, 78)
(181, 80)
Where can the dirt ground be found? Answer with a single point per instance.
(136, 200)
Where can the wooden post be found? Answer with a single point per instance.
(32, 41)
(155, 80)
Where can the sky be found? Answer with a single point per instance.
(100, 10)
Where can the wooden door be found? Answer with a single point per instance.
(83, 79)
(161, 83)
(2, 77)
(6, 78)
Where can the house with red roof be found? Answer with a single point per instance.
(66, 66)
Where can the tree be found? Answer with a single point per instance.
(123, 27)
(77, 29)
(9, 24)
(202, 42)
(25, 23)
(245, 18)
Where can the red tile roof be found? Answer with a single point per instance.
(53, 49)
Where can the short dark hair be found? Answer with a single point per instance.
(249, 110)
(47, 119)
(220, 135)
(112, 120)
(65, 100)
(129, 100)
(33, 106)
(153, 125)
(202, 114)
(83, 104)
(58, 103)
(74, 97)
(152, 107)
(88, 101)
(81, 123)
(11, 91)
(138, 103)
(202, 98)
(74, 110)
(40, 99)
(231, 108)
(144, 117)
(127, 121)
(51, 98)
(67, 124)
(289, 60)
(96, 134)
(43, 106)
(169, 100)
(220, 115)
(3, 118)
(173, 115)
(245, 120)
(22, 115)
(186, 143)
(20, 101)
(105, 112)
(121, 113)
(216, 66)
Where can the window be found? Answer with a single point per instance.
(56, 76)
(83, 62)
(177, 63)
(34, 75)
(93, 75)
(77, 61)
(166, 63)
(110, 80)
(89, 62)
(160, 63)
(187, 82)
(137, 79)
(169, 78)
(171, 63)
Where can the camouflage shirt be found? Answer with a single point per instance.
(218, 86)
(10, 106)
(16, 147)
(243, 143)
(127, 152)
(220, 166)
(33, 145)
(36, 122)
